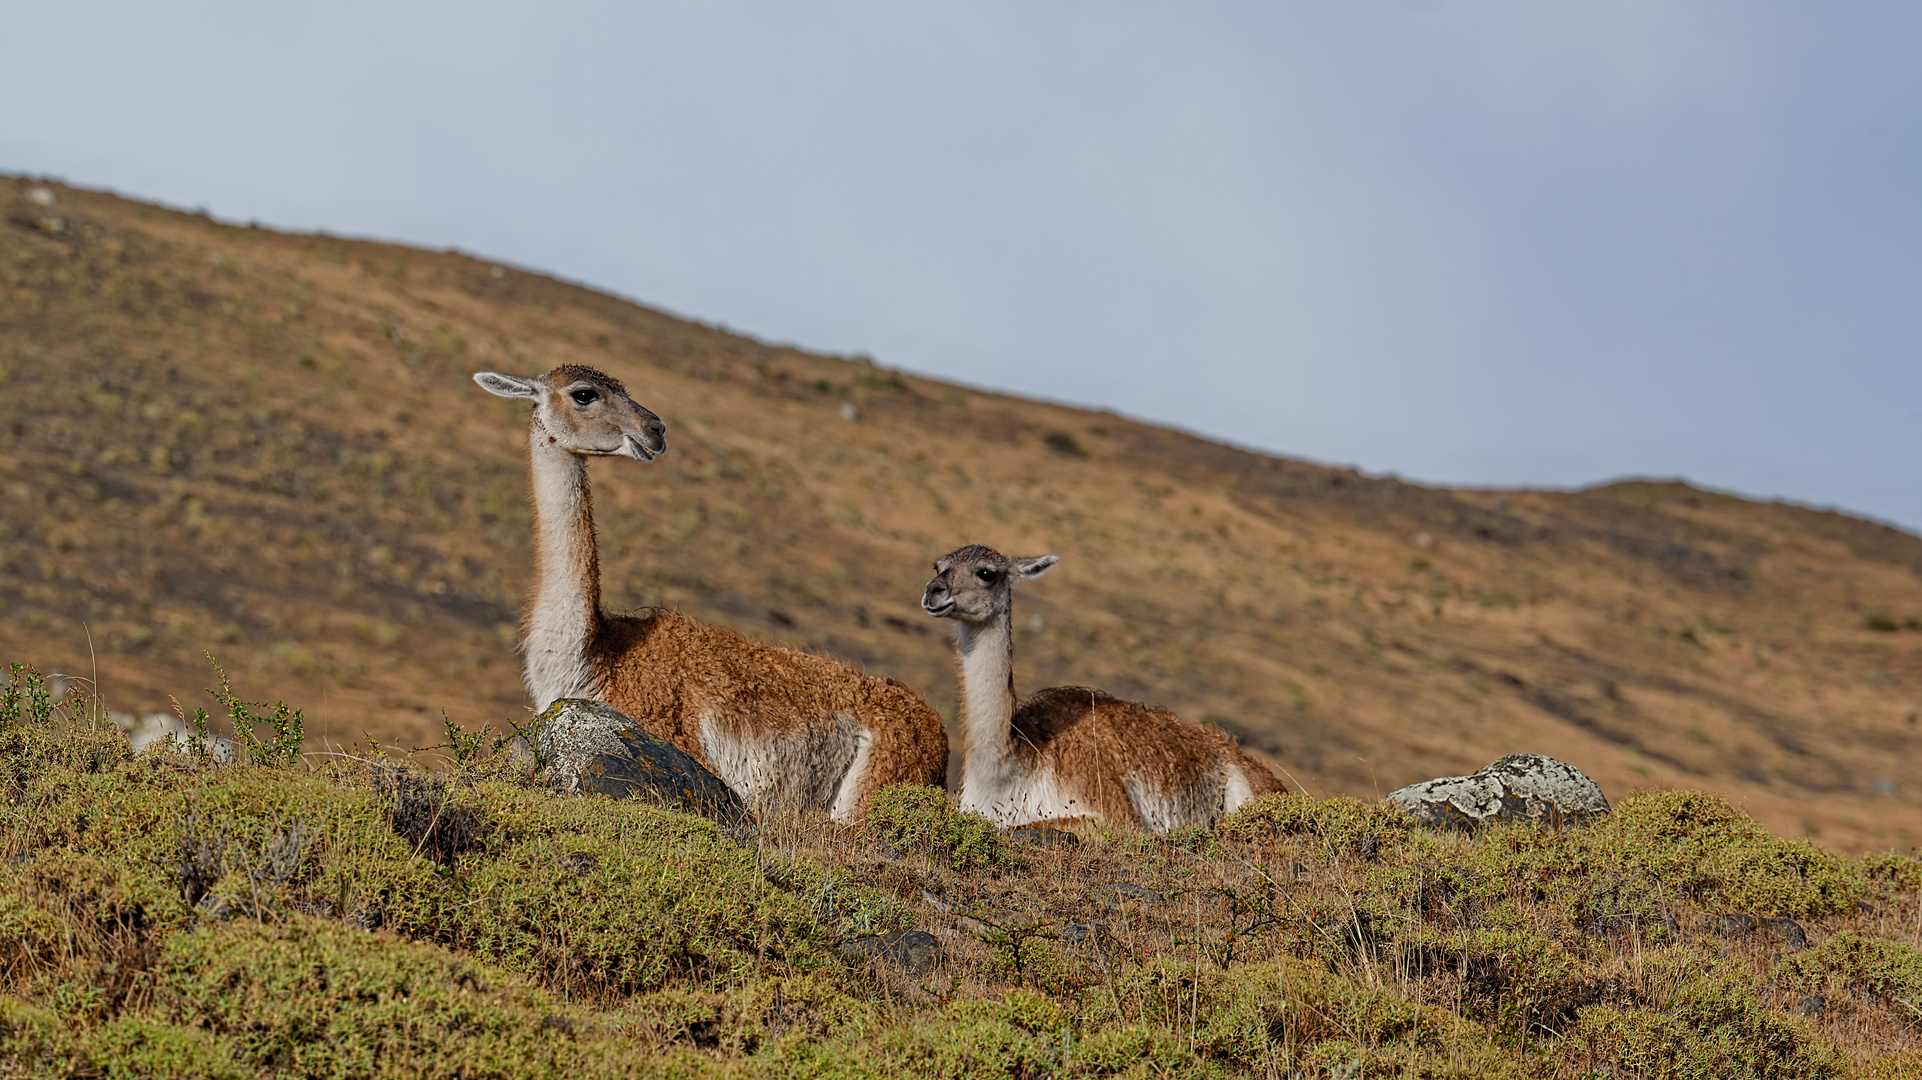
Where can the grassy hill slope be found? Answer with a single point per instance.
(227, 439)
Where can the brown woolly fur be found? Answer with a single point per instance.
(1070, 752)
(782, 728)
(670, 671)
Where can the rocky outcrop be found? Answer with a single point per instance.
(1522, 787)
(587, 746)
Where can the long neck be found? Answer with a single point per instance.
(566, 611)
(987, 692)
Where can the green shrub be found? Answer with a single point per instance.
(1339, 822)
(966, 1046)
(591, 896)
(1692, 1015)
(1065, 444)
(139, 1047)
(315, 998)
(844, 905)
(915, 818)
(1269, 1018)
(281, 748)
(1518, 980)
(1696, 842)
(1899, 870)
(1864, 965)
(1677, 845)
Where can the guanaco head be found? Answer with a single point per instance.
(974, 583)
(584, 412)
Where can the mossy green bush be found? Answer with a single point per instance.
(1855, 963)
(1662, 847)
(915, 818)
(1340, 822)
(1691, 1016)
(597, 897)
(844, 906)
(1259, 1018)
(1893, 867)
(1515, 979)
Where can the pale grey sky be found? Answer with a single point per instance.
(1524, 243)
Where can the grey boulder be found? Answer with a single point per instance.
(1522, 787)
(914, 951)
(589, 746)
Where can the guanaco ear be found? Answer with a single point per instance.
(1029, 569)
(510, 386)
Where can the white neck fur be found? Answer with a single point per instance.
(987, 704)
(565, 614)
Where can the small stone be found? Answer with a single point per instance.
(1084, 931)
(1813, 1005)
(914, 951)
(1521, 787)
(1131, 891)
(1054, 838)
(590, 746)
(580, 864)
(1789, 932)
(1736, 925)
(520, 755)
(40, 196)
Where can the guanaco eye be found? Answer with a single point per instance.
(585, 397)
(986, 576)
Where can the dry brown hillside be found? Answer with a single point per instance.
(267, 446)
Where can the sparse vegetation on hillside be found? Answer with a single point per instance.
(358, 917)
(219, 438)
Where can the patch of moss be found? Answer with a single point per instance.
(1895, 868)
(915, 818)
(29, 751)
(748, 1018)
(136, 1046)
(590, 896)
(1691, 1018)
(844, 905)
(1681, 845)
(311, 997)
(1340, 823)
(1269, 1018)
(1901, 1066)
(1516, 979)
(1850, 961)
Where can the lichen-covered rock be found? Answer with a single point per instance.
(588, 746)
(1522, 787)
